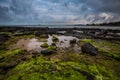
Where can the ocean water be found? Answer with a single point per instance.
(63, 26)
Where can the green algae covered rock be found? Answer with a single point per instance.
(44, 45)
(54, 39)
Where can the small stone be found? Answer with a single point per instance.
(47, 52)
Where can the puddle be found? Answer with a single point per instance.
(34, 44)
(64, 41)
(62, 32)
(78, 31)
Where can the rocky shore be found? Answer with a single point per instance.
(59, 53)
(106, 34)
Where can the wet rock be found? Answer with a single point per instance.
(88, 75)
(55, 39)
(37, 33)
(73, 41)
(53, 48)
(53, 44)
(61, 42)
(89, 48)
(44, 45)
(44, 36)
(3, 38)
(8, 66)
(47, 52)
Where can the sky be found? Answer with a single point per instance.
(58, 11)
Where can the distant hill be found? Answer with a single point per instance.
(106, 24)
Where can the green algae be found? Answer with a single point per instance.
(72, 66)
(54, 39)
(87, 40)
(42, 69)
(110, 49)
(52, 48)
(44, 45)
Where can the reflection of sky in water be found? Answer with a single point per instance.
(64, 42)
(34, 45)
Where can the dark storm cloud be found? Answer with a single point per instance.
(58, 11)
(3, 14)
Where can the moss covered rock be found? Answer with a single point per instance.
(52, 48)
(55, 39)
(44, 45)
(44, 36)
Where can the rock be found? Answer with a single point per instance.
(61, 42)
(73, 41)
(55, 39)
(44, 36)
(53, 44)
(8, 65)
(44, 45)
(53, 48)
(37, 33)
(47, 52)
(3, 38)
(89, 48)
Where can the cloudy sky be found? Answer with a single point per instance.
(58, 11)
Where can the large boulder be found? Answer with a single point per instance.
(89, 48)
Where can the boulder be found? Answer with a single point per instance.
(44, 45)
(89, 49)
(73, 41)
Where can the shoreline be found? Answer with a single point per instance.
(58, 49)
(95, 33)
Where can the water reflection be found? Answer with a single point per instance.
(35, 45)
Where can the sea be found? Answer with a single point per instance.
(64, 26)
(69, 26)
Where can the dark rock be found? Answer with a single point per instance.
(88, 75)
(53, 44)
(73, 41)
(61, 42)
(8, 66)
(38, 33)
(89, 48)
(3, 38)
(47, 52)
(1, 58)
